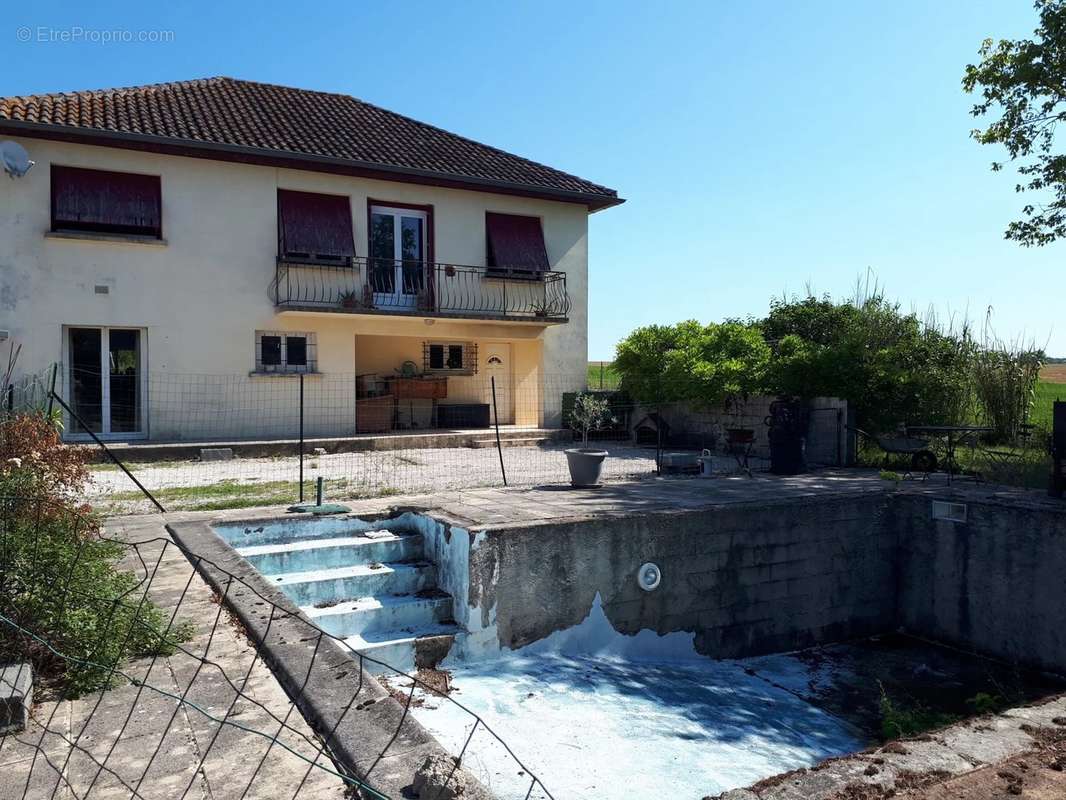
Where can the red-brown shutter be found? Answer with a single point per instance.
(315, 224)
(98, 200)
(516, 242)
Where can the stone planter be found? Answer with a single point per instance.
(585, 466)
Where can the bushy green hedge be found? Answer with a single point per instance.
(704, 364)
(893, 367)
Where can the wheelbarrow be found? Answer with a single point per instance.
(922, 458)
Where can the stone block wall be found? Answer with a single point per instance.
(749, 579)
(744, 579)
(704, 428)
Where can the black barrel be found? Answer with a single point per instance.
(788, 436)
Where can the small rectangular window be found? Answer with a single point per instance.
(296, 351)
(280, 351)
(459, 358)
(271, 351)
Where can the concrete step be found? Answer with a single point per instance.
(324, 586)
(387, 613)
(397, 648)
(300, 529)
(343, 551)
(529, 441)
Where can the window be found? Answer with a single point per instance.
(95, 200)
(107, 380)
(452, 357)
(315, 227)
(284, 352)
(515, 243)
(399, 248)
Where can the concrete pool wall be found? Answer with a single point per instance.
(995, 584)
(746, 580)
(753, 579)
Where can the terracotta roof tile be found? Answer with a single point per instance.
(290, 121)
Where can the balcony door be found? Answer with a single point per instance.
(397, 256)
(106, 377)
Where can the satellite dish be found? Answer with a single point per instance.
(16, 160)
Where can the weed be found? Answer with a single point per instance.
(898, 721)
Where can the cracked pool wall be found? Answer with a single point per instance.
(753, 579)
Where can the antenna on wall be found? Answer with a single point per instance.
(15, 158)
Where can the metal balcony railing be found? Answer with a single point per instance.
(385, 286)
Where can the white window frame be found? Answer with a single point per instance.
(398, 298)
(284, 368)
(105, 388)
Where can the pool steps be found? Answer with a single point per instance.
(371, 588)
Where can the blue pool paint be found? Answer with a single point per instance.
(596, 713)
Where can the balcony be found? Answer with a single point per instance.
(414, 288)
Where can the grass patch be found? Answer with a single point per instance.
(899, 720)
(1025, 467)
(1047, 392)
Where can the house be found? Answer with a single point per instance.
(185, 251)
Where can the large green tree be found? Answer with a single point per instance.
(1024, 82)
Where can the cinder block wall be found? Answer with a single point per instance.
(752, 579)
(705, 427)
(746, 579)
(995, 584)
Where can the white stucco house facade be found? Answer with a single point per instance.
(186, 251)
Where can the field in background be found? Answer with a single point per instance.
(602, 376)
(1053, 373)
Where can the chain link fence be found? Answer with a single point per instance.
(195, 711)
(203, 442)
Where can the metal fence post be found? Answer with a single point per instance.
(52, 389)
(496, 416)
(301, 437)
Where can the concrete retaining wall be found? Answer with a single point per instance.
(995, 584)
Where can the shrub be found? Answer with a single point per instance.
(77, 615)
(892, 367)
(34, 461)
(702, 364)
(58, 581)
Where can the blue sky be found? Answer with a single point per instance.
(762, 147)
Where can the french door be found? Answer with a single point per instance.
(106, 377)
(397, 256)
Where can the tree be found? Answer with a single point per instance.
(1025, 82)
(703, 364)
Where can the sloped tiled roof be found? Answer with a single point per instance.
(291, 122)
